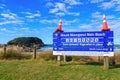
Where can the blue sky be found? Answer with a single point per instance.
(40, 18)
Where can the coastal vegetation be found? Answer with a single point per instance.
(15, 64)
(18, 64)
(12, 54)
(26, 41)
(49, 70)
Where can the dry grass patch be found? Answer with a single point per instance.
(14, 54)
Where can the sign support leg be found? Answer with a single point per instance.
(99, 59)
(106, 63)
(34, 52)
(58, 60)
(64, 58)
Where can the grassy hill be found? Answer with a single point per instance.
(48, 70)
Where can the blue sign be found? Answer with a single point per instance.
(83, 41)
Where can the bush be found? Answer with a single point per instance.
(13, 54)
(26, 41)
(68, 58)
(83, 59)
(47, 56)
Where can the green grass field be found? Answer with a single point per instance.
(49, 70)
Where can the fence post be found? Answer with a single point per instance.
(99, 59)
(58, 60)
(34, 52)
(4, 49)
(64, 58)
(106, 63)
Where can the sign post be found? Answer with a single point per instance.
(58, 30)
(106, 62)
(83, 43)
(97, 43)
(58, 60)
(106, 29)
(34, 52)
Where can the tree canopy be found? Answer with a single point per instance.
(26, 41)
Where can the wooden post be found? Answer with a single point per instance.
(113, 61)
(34, 52)
(99, 59)
(58, 60)
(4, 49)
(106, 63)
(64, 58)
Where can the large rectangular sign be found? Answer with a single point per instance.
(87, 43)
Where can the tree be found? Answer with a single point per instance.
(26, 41)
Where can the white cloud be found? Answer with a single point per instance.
(112, 21)
(53, 10)
(11, 22)
(49, 4)
(58, 7)
(33, 15)
(3, 29)
(8, 16)
(2, 6)
(26, 13)
(96, 15)
(95, 1)
(73, 13)
(99, 15)
(61, 9)
(81, 28)
(24, 28)
(117, 8)
(36, 31)
(69, 22)
(111, 4)
(6, 30)
(115, 26)
(55, 21)
(73, 2)
(69, 7)
(60, 13)
(107, 5)
(85, 26)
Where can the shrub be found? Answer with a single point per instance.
(47, 56)
(13, 54)
(83, 59)
(26, 41)
(68, 58)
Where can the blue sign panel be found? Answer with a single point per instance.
(83, 41)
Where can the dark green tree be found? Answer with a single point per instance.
(26, 41)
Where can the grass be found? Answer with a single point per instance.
(13, 66)
(12, 54)
(49, 70)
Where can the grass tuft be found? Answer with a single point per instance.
(14, 54)
(47, 56)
